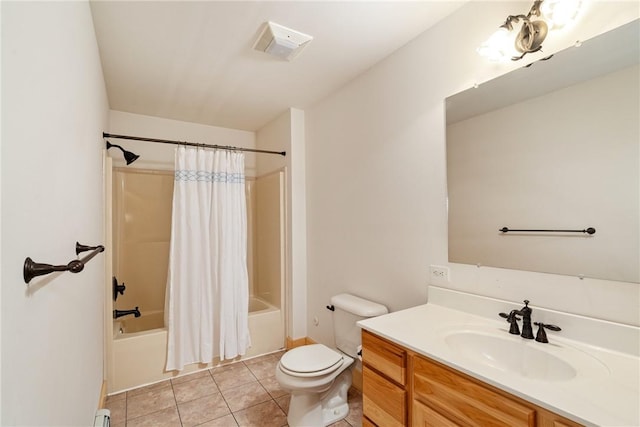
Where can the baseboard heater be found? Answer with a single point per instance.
(103, 417)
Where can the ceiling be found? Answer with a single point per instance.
(193, 61)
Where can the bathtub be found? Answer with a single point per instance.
(146, 322)
(139, 354)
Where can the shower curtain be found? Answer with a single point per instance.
(207, 292)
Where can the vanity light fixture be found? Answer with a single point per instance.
(522, 34)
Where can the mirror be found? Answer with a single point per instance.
(552, 146)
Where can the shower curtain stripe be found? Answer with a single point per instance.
(207, 285)
(196, 175)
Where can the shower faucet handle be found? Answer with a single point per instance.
(117, 289)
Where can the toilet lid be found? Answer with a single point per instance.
(311, 360)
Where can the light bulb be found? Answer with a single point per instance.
(499, 46)
(559, 13)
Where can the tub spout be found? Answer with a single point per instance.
(120, 313)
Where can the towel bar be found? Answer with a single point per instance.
(33, 269)
(589, 230)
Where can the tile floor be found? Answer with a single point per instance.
(240, 394)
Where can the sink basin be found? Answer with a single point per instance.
(526, 358)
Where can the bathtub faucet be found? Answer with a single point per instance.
(120, 313)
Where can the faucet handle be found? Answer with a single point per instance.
(512, 318)
(541, 336)
(117, 289)
(509, 316)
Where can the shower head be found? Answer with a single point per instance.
(129, 157)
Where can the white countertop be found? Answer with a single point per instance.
(605, 393)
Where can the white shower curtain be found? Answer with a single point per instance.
(207, 294)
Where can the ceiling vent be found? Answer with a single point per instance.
(281, 42)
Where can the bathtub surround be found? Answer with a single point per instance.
(207, 259)
(141, 218)
(147, 321)
(266, 242)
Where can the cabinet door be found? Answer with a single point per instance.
(549, 419)
(385, 357)
(465, 400)
(383, 402)
(423, 416)
(367, 423)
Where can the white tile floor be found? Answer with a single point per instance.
(239, 394)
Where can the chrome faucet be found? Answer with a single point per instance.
(120, 313)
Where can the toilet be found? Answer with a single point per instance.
(319, 377)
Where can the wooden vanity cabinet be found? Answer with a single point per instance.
(384, 379)
(401, 388)
(464, 401)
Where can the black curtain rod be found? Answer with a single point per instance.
(192, 144)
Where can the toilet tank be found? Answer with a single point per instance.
(349, 309)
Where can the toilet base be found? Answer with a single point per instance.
(321, 409)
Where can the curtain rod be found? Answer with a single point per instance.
(192, 144)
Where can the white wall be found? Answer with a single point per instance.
(54, 110)
(376, 179)
(287, 133)
(161, 156)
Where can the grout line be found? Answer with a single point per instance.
(354, 393)
(234, 418)
(175, 399)
(225, 402)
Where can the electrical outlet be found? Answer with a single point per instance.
(438, 275)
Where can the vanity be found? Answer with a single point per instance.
(452, 362)
(522, 194)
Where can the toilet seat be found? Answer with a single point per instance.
(311, 361)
